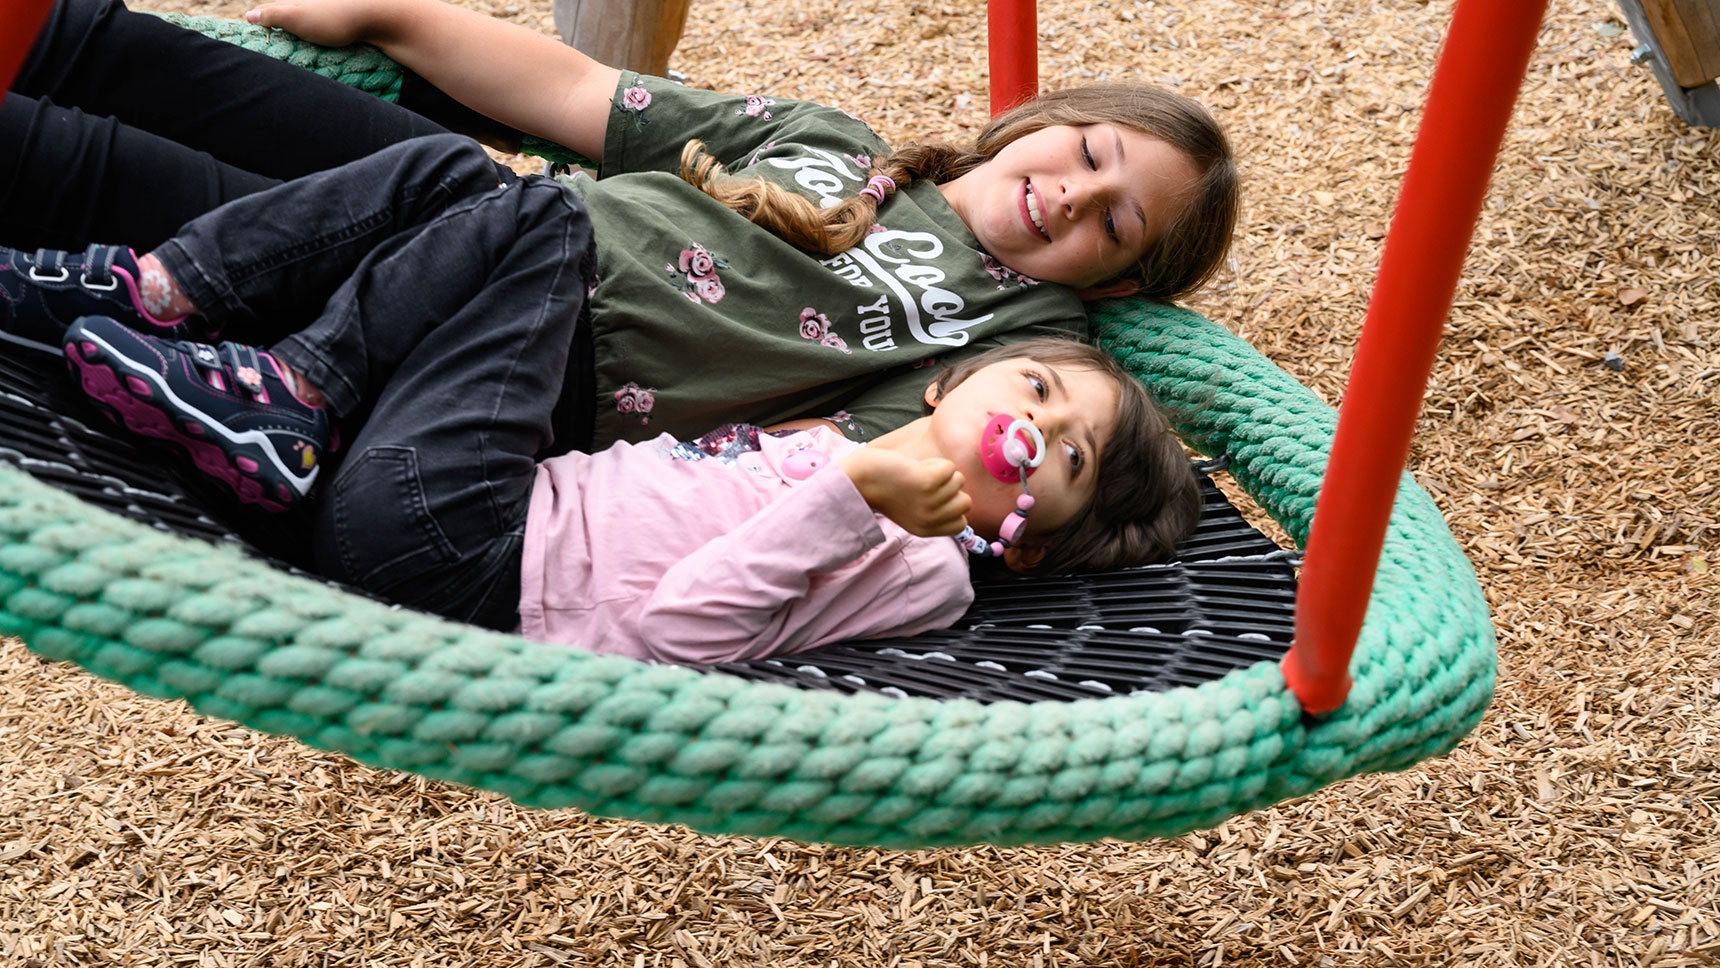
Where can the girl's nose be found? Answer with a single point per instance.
(1078, 194)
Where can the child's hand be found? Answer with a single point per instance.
(925, 496)
(331, 23)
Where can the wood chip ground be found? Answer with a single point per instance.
(1576, 827)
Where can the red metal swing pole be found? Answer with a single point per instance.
(19, 21)
(1474, 86)
(1012, 41)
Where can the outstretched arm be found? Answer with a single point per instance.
(521, 78)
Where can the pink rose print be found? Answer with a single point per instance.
(875, 229)
(697, 268)
(697, 262)
(814, 325)
(1004, 275)
(634, 101)
(862, 162)
(755, 107)
(709, 288)
(632, 398)
(928, 361)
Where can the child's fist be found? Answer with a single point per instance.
(925, 496)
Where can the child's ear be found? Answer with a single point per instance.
(932, 394)
(1021, 558)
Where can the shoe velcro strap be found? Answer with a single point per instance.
(98, 264)
(49, 265)
(206, 357)
(246, 366)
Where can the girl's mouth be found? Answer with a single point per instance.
(1030, 208)
(1011, 448)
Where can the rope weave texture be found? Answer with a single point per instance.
(550, 726)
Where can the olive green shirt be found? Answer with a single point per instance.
(701, 318)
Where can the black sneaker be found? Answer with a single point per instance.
(41, 294)
(229, 406)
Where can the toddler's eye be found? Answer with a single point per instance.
(1038, 383)
(1075, 459)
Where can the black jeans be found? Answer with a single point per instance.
(121, 127)
(442, 315)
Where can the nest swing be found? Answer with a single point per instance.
(1133, 704)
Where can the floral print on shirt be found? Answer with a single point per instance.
(755, 107)
(1004, 275)
(635, 100)
(633, 398)
(724, 444)
(697, 268)
(815, 326)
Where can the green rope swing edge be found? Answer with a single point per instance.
(550, 726)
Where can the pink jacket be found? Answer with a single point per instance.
(718, 550)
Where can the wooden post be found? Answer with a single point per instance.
(636, 35)
(1689, 35)
(1680, 43)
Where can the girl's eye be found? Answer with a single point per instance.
(1038, 384)
(1111, 228)
(1088, 155)
(1075, 460)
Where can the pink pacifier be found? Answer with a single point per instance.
(1010, 444)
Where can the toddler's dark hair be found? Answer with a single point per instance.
(1145, 498)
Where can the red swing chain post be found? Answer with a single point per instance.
(1469, 103)
(1012, 40)
(19, 22)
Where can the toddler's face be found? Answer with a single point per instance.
(1073, 407)
(1074, 205)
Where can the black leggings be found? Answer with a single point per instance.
(121, 127)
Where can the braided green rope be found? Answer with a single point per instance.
(550, 726)
(361, 66)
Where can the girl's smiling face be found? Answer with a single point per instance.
(1074, 407)
(1076, 205)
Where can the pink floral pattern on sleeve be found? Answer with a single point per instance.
(634, 100)
(815, 326)
(755, 107)
(697, 269)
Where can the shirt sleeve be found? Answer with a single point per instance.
(743, 595)
(651, 120)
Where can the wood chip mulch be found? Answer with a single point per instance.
(1570, 435)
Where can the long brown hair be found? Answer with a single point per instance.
(1184, 256)
(1145, 498)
